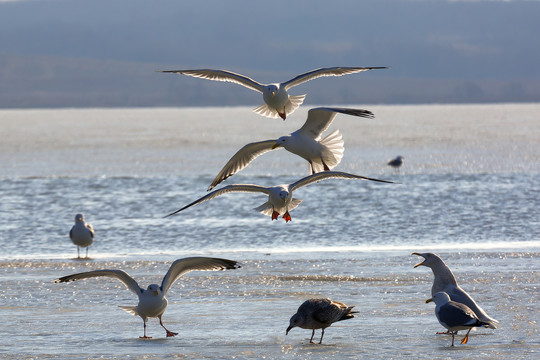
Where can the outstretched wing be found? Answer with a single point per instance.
(241, 159)
(319, 119)
(220, 75)
(117, 274)
(225, 190)
(330, 71)
(182, 266)
(330, 175)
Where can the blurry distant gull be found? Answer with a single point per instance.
(321, 154)
(81, 234)
(152, 301)
(444, 280)
(280, 200)
(320, 314)
(455, 316)
(277, 101)
(396, 162)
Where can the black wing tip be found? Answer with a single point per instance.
(64, 279)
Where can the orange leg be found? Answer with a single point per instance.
(287, 216)
(275, 215)
(466, 338)
(282, 115)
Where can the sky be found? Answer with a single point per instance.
(66, 53)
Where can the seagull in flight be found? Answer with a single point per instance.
(277, 101)
(280, 199)
(81, 234)
(321, 154)
(152, 301)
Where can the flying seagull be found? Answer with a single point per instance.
(455, 316)
(280, 200)
(321, 154)
(320, 314)
(277, 101)
(81, 234)
(444, 280)
(152, 301)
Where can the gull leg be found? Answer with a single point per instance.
(320, 342)
(311, 167)
(144, 336)
(453, 338)
(312, 334)
(282, 115)
(447, 332)
(87, 252)
(169, 333)
(275, 215)
(326, 168)
(466, 338)
(78, 253)
(287, 216)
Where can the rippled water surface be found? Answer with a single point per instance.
(469, 190)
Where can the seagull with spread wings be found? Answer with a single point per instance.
(152, 301)
(280, 200)
(321, 154)
(277, 101)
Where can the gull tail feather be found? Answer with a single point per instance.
(265, 110)
(130, 309)
(293, 103)
(333, 149)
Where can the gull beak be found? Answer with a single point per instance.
(429, 300)
(288, 329)
(156, 292)
(420, 263)
(276, 145)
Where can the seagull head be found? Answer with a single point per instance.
(295, 321)
(439, 298)
(272, 89)
(283, 195)
(430, 259)
(79, 218)
(154, 289)
(281, 142)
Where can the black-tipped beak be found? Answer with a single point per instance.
(288, 329)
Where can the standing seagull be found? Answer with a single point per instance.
(320, 314)
(152, 301)
(280, 200)
(445, 281)
(277, 101)
(455, 316)
(81, 234)
(321, 154)
(396, 162)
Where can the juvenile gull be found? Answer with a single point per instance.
(81, 234)
(320, 314)
(455, 316)
(445, 281)
(152, 301)
(277, 101)
(321, 154)
(280, 200)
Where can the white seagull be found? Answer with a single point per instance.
(445, 281)
(455, 316)
(280, 200)
(321, 154)
(320, 314)
(277, 101)
(81, 234)
(152, 301)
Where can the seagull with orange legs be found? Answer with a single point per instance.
(277, 101)
(455, 316)
(444, 280)
(322, 154)
(280, 199)
(81, 234)
(152, 301)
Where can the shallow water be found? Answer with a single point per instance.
(469, 190)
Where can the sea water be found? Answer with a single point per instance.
(469, 190)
